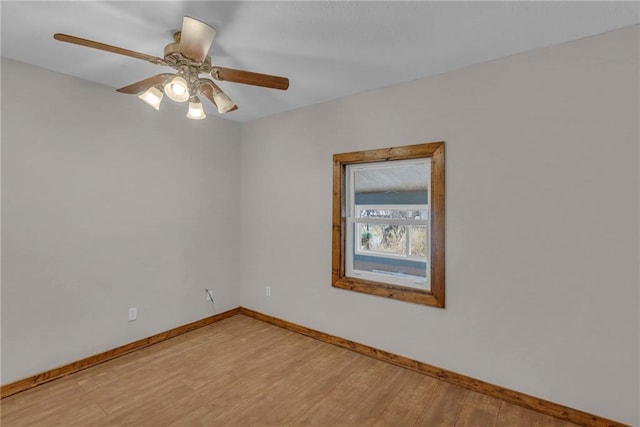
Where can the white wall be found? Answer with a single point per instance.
(541, 220)
(108, 204)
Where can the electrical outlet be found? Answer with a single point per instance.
(209, 293)
(267, 291)
(133, 314)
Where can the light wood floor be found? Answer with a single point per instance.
(243, 372)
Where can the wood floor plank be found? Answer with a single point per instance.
(373, 402)
(235, 395)
(444, 406)
(241, 371)
(57, 403)
(328, 409)
(264, 381)
(511, 415)
(151, 409)
(235, 356)
(409, 402)
(479, 410)
(135, 388)
(311, 392)
(300, 382)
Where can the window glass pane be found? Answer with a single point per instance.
(392, 176)
(390, 213)
(385, 238)
(372, 262)
(419, 240)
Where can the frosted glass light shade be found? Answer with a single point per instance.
(223, 102)
(196, 111)
(153, 96)
(177, 89)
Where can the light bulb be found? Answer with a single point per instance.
(153, 97)
(196, 111)
(177, 89)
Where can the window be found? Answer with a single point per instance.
(388, 223)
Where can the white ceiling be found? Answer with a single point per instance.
(327, 49)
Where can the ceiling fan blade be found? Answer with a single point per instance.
(208, 88)
(249, 78)
(145, 84)
(102, 46)
(196, 39)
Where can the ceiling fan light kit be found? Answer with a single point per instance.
(196, 111)
(152, 96)
(188, 54)
(177, 89)
(223, 102)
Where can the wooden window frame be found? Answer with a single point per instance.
(433, 297)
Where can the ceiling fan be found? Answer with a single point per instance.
(188, 54)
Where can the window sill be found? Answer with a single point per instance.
(403, 293)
